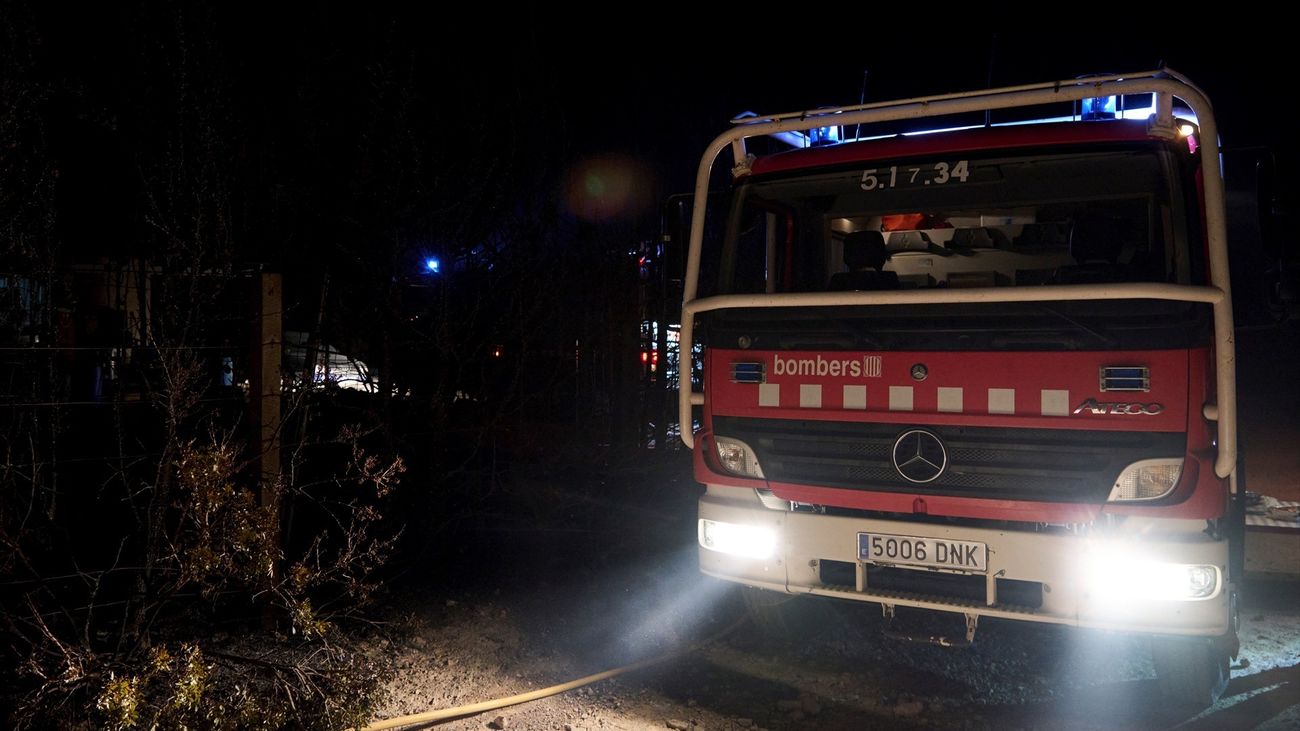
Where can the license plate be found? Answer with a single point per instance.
(931, 553)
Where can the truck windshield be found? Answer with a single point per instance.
(963, 221)
(1117, 215)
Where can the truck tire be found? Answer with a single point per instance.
(1192, 673)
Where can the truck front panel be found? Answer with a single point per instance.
(1049, 461)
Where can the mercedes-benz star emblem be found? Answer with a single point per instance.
(919, 372)
(919, 456)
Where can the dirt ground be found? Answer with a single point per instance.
(837, 672)
(547, 624)
(572, 575)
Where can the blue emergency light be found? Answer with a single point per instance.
(818, 136)
(1098, 107)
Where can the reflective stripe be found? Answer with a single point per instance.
(1055, 402)
(1002, 400)
(900, 398)
(950, 400)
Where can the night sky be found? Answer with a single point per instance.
(431, 127)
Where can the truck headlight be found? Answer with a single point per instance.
(1146, 480)
(749, 541)
(737, 458)
(1117, 575)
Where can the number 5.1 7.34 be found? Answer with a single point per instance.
(940, 173)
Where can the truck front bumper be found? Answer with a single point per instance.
(1083, 577)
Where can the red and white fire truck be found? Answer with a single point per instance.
(984, 370)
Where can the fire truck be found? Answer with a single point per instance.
(982, 369)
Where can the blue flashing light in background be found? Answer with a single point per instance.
(432, 265)
(819, 136)
(1098, 107)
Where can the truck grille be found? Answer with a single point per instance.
(1051, 465)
